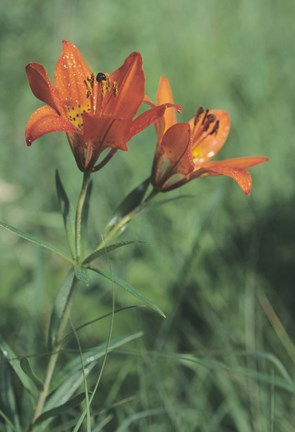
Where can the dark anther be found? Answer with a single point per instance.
(211, 118)
(100, 77)
(198, 114)
(205, 116)
(215, 128)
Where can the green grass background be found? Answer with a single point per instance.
(210, 261)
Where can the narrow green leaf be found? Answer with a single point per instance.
(10, 357)
(117, 280)
(26, 367)
(125, 425)
(168, 200)
(65, 208)
(106, 250)
(60, 307)
(88, 323)
(36, 241)
(8, 395)
(64, 426)
(70, 377)
(130, 202)
(8, 422)
(61, 409)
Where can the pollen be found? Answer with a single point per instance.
(105, 84)
(115, 88)
(89, 83)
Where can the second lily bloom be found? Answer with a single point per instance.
(184, 150)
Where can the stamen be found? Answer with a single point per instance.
(205, 116)
(89, 83)
(198, 114)
(100, 77)
(215, 128)
(115, 88)
(105, 84)
(210, 118)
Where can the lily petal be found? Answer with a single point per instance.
(130, 83)
(41, 85)
(173, 155)
(70, 73)
(165, 95)
(240, 176)
(208, 145)
(234, 168)
(148, 117)
(241, 162)
(43, 121)
(106, 131)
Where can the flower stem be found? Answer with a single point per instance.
(79, 213)
(54, 356)
(115, 230)
(66, 312)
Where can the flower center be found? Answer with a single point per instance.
(205, 124)
(96, 89)
(104, 81)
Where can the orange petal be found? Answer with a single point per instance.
(239, 175)
(173, 154)
(106, 131)
(43, 121)
(70, 73)
(234, 168)
(147, 118)
(242, 162)
(165, 95)
(206, 146)
(41, 85)
(130, 81)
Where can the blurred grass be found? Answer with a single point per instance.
(204, 258)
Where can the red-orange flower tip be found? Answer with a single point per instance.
(95, 110)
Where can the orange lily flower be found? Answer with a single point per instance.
(184, 150)
(96, 112)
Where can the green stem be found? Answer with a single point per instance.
(79, 212)
(54, 356)
(116, 229)
(66, 313)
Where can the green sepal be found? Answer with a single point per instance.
(123, 284)
(59, 308)
(66, 212)
(106, 250)
(36, 241)
(61, 409)
(130, 202)
(26, 367)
